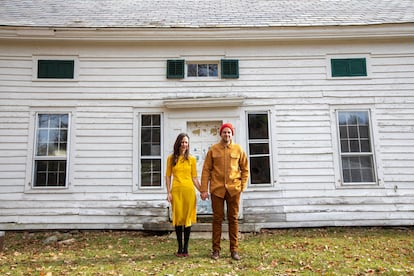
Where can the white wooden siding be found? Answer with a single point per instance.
(116, 80)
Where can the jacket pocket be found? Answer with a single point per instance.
(234, 160)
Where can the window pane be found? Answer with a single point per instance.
(202, 70)
(42, 136)
(344, 146)
(50, 173)
(260, 170)
(151, 135)
(358, 169)
(354, 144)
(150, 172)
(365, 146)
(353, 132)
(258, 126)
(343, 132)
(363, 131)
(43, 121)
(213, 70)
(54, 121)
(146, 135)
(258, 148)
(192, 70)
(52, 131)
(146, 120)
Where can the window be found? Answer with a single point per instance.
(178, 68)
(50, 160)
(202, 70)
(150, 150)
(55, 69)
(259, 148)
(356, 154)
(349, 67)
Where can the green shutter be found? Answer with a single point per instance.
(229, 68)
(55, 69)
(358, 67)
(175, 69)
(349, 67)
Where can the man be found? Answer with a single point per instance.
(226, 170)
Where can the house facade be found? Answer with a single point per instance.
(91, 104)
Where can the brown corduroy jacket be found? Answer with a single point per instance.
(226, 168)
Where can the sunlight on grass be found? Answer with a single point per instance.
(326, 251)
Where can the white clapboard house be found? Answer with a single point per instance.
(94, 93)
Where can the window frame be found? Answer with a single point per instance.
(338, 165)
(270, 155)
(331, 57)
(30, 173)
(137, 155)
(35, 62)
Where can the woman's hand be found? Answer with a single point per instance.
(169, 197)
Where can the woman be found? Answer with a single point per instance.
(181, 167)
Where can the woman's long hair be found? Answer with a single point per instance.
(177, 146)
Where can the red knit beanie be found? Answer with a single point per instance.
(230, 126)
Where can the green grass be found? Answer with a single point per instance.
(320, 251)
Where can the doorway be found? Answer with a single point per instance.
(203, 134)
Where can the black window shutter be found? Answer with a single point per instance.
(55, 69)
(175, 69)
(349, 67)
(230, 68)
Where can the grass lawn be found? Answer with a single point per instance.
(323, 251)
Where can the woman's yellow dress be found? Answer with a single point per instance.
(184, 202)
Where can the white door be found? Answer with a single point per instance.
(202, 134)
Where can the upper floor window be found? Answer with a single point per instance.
(348, 67)
(150, 150)
(225, 68)
(202, 70)
(356, 147)
(259, 148)
(51, 150)
(55, 68)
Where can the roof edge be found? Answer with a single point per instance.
(404, 30)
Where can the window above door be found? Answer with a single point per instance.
(203, 70)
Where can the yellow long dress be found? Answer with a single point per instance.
(184, 210)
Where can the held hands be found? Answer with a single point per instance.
(204, 195)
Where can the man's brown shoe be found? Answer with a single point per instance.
(235, 256)
(215, 255)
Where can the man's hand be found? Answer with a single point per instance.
(204, 195)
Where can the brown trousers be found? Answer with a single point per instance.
(217, 204)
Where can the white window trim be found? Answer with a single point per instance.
(344, 56)
(136, 160)
(31, 153)
(336, 147)
(272, 150)
(36, 58)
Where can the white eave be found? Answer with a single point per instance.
(204, 102)
(380, 31)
